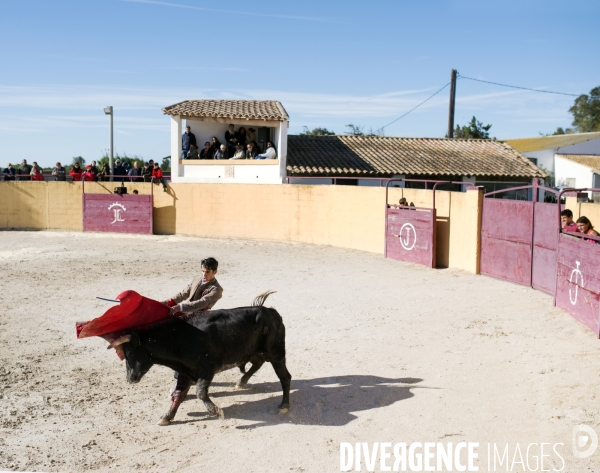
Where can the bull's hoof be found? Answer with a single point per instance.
(281, 409)
(240, 385)
(215, 411)
(164, 421)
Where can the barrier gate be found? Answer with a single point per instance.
(121, 213)
(410, 232)
(578, 276)
(519, 239)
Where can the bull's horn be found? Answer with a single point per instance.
(120, 341)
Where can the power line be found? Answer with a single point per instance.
(412, 109)
(517, 87)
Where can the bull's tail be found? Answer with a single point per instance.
(260, 300)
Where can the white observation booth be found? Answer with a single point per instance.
(208, 118)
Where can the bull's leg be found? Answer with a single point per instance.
(256, 364)
(202, 392)
(177, 397)
(286, 378)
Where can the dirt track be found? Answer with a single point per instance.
(379, 351)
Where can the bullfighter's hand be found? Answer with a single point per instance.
(174, 309)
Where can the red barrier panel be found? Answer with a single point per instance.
(545, 242)
(410, 235)
(127, 213)
(578, 280)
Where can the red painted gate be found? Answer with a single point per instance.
(410, 234)
(117, 213)
(519, 238)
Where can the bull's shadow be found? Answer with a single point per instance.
(320, 401)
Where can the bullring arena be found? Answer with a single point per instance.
(380, 350)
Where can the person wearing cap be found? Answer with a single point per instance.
(158, 176)
(88, 175)
(119, 169)
(239, 152)
(9, 173)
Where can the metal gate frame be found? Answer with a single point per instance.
(412, 219)
(525, 249)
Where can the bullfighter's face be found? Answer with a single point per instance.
(208, 274)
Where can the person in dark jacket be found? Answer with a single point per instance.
(135, 173)
(241, 137)
(119, 170)
(187, 139)
(9, 173)
(59, 173)
(206, 153)
(104, 173)
(76, 172)
(25, 171)
(251, 151)
(231, 140)
(214, 147)
(147, 172)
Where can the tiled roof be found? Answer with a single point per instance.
(524, 145)
(386, 156)
(246, 109)
(589, 160)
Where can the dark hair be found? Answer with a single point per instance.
(207, 143)
(240, 129)
(566, 213)
(585, 221)
(210, 263)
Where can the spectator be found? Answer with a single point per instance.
(193, 152)
(214, 147)
(241, 137)
(250, 135)
(566, 219)
(206, 153)
(25, 171)
(37, 174)
(147, 172)
(239, 152)
(230, 139)
(257, 148)
(135, 173)
(9, 173)
(119, 170)
(158, 176)
(88, 175)
(126, 166)
(135, 192)
(104, 173)
(76, 172)
(187, 139)
(94, 170)
(59, 173)
(151, 163)
(271, 152)
(222, 153)
(403, 202)
(250, 151)
(585, 226)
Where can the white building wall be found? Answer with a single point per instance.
(545, 158)
(566, 169)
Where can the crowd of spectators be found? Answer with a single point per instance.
(240, 144)
(582, 225)
(149, 172)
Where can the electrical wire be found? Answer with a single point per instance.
(379, 130)
(517, 87)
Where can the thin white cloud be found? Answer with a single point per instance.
(228, 12)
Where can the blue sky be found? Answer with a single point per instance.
(329, 63)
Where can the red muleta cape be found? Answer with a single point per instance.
(134, 311)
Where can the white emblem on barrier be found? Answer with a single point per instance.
(117, 211)
(577, 275)
(408, 236)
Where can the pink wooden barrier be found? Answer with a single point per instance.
(410, 235)
(578, 280)
(127, 213)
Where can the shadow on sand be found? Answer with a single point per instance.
(321, 401)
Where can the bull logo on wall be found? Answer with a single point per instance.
(117, 208)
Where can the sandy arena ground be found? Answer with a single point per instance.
(379, 351)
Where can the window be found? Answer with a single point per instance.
(533, 160)
(570, 181)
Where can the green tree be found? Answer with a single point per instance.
(122, 157)
(563, 131)
(317, 131)
(166, 164)
(78, 159)
(475, 130)
(355, 130)
(586, 111)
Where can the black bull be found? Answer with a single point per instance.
(200, 345)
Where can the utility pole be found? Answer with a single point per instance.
(109, 111)
(451, 106)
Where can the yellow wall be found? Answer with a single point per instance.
(343, 216)
(589, 210)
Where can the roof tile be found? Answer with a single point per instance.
(232, 109)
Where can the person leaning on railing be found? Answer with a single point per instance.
(76, 172)
(585, 226)
(147, 172)
(25, 171)
(239, 152)
(9, 173)
(37, 174)
(59, 173)
(104, 173)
